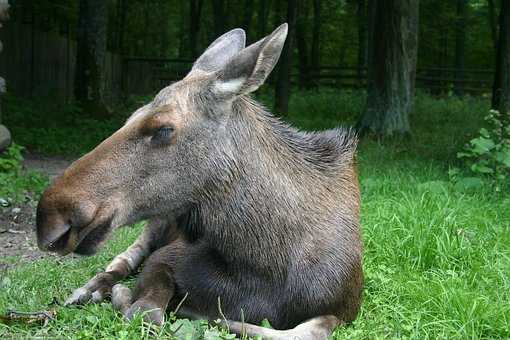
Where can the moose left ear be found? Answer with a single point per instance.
(220, 51)
(247, 71)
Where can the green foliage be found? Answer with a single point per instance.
(11, 160)
(488, 154)
(44, 126)
(160, 28)
(14, 182)
(266, 323)
(437, 27)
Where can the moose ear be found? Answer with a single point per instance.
(248, 70)
(220, 51)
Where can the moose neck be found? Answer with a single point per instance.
(265, 203)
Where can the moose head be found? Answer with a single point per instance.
(169, 153)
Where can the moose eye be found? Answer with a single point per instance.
(163, 134)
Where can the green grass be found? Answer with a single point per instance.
(16, 184)
(436, 259)
(437, 256)
(32, 287)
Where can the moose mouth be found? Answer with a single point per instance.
(92, 240)
(85, 242)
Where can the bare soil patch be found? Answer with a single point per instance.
(17, 220)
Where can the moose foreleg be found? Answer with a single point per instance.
(154, 288)
(156, 234)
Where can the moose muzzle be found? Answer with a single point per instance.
(63, 220)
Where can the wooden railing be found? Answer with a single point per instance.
(144, 75)
(434, 79)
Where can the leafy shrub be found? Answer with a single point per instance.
(488, 155)
(10, 161)
(15, 183)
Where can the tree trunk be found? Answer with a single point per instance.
(460, 45)
(263, 15)
(145, 28)
(492, 23)
(218, 7)
(302, 18)
(392, 67)
(91, 48)
(277, 17)
(344, 45)
(501, 89)
(445, 62)
(195, 11)
(4, 15)
(282, 90)
(247, 15)
(183, 30)
(122, 24)
(361, 13)
(316, 36)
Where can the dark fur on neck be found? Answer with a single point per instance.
(262, 197)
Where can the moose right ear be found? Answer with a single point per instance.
(220, 51)
(248, 70)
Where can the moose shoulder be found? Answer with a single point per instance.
(241, 207)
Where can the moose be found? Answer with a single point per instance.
(243, 211)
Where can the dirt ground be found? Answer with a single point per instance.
(17, 221)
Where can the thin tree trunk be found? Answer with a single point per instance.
(460, 45)
(122, 24)
(91, 49)
(146, 27)
(263, 14)
(302, 18)
(316, 36)
(282, 90)
(277, 18)
(392, 67)
(444, 86)
(218, 7)
(361, 13)
(501, 89)
(344, 45)
(4, 15)
(247, 15)
(492, 23)
(183, 30)
(195, 10)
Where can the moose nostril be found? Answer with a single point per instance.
(54, 239)
(60, 243)
(59, 217)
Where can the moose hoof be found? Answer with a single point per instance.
(121, 298)
(96, 290)
(78, 297)
(150, 312)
